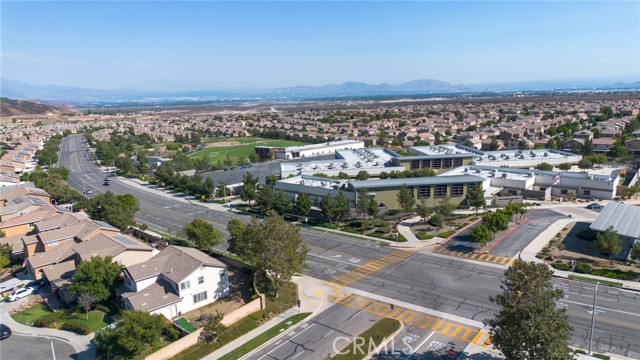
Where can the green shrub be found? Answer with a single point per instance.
(102, 308)
(49, 319)
(383, 230)
(76, 326)
(616, 274)
(583, 268)
(562, 266)
(330, 226)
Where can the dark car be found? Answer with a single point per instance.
(5, 332)
(595, 206)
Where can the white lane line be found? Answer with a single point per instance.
(599, 307)
(419, 346)
(327, 334)
(277, 347)
(298, 355)
(328, 258)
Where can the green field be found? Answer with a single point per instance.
(239, 151)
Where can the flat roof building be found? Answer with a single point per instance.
(294, 152)
(348, 161)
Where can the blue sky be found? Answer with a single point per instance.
(222, 45)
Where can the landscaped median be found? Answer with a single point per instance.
(373, 337)
(264, 337)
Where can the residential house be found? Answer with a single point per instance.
(175, 281)
(603, 145)
(583, 134)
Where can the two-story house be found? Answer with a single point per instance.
(175, 281)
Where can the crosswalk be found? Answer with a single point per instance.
(412, 318)
(367, 269)
(495, 259)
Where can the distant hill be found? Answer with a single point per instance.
(9, 107)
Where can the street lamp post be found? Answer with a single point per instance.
(593, 317)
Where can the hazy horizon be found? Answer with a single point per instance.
(249, 45)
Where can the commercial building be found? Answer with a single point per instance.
(539, 184)
(350, 162)
(384, 192)
(624, 219)
(439, 158)
(295, 152)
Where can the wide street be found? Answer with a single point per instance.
(447, 284)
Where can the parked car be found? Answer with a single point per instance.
(87, 192)
(20, 293)
(5, 332)
(595, 206)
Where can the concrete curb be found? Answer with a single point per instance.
(385, 342)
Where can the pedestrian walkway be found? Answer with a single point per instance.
(495, 259)
(412, 318)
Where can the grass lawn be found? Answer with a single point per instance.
(220, 153)
(590, 280)
(30, 315)
(95, 322)
(244, 140)
(375, 334)
(264, 337)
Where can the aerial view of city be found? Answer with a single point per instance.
(316, 180)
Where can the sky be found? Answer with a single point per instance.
(164, 45)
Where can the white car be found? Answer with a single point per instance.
(20, 293)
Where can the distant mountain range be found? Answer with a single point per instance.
(20, 90)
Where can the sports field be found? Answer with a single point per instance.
(239, 151)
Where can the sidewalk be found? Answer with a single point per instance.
(81, 343)
(311, 294)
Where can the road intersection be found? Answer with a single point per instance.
(451, 286)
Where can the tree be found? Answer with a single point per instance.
(564, 166)
(405, 198)
(221, 190)
(633, 190)
(343, 175)
(143, 164)
(249, 188)
(516, 208)
(598, 159)
(584, 164)
(445, 207)
(85, 301)
(494, 145)
(423, 209)
(204, 235)
(475, 196)
(372, 209)
(609, 243)
(587, 148)
(528, 325)
(496, 221)
(362, 202)
(362, 175)
(136, 331)
(282, 203)
(263, 245)
(272, 179)
(329, 206)
(117, 210)
(213, 328)
(437, 220)
(481, 234)
(303, 204)
(342, 205)
(96, 277)
(544, 166)
(5, 254)
(635, 252)
(266, 198)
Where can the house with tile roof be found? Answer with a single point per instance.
(175, 281)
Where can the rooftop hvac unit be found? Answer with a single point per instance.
(478, 171)
(545, 154)
(504, 175)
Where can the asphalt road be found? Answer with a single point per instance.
(538, 220)
(19, 347)
(445, 284)
(327, 333)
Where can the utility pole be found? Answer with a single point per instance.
(593, 317)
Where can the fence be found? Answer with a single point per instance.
(191, 339)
